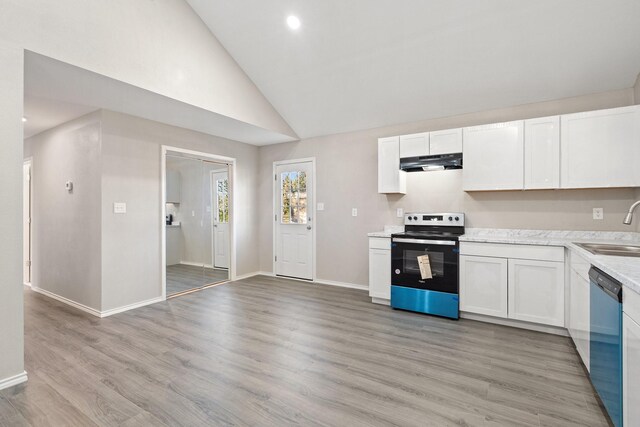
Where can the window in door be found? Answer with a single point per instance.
(293, 197)
(222, 213)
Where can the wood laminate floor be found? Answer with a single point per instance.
(273, 352)
(181, 277)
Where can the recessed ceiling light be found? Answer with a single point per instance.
(24, 119)
(293, 22)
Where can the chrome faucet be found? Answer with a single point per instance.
(629, 217)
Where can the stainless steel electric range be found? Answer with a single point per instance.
(424, 264)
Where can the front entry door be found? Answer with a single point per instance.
(293, 220)
(220, 185)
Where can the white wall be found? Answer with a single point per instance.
(66, 226)
(347, 178)
(135, 147)
(161, 46)
(11, 306)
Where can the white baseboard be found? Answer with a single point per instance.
(93, 311)
(318, 281)
(14, 380)
(381, 301)
(67, 301)
(342, 284)
(515, 324)
(28, 284)
(246, 276)
(124, 308)
(195, 264)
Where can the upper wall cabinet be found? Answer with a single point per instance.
(173, 187)
(601, 148)
(390, 178)
(542, 153)
(445, 141)
(494, 157)
(413, 145)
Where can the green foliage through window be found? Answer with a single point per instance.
(294, 197)
(222, 191)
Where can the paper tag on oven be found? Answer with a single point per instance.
(425, 267)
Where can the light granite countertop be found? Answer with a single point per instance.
(387, 231)
(624, 269)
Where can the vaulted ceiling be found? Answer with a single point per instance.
(361, 64)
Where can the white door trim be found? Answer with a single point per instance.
(28, 161)
(232, 206)
(275, 211)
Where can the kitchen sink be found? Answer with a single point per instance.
(608, 249)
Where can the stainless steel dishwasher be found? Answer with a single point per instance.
(606, 341)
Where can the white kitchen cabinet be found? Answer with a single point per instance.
(494, 157)
(390, 178)
(579, 318)
(542, 153)
(630, 371)
(413, 145)
(445, 141)
(379, 268)
(173, 187)
(483, 285)
(536, 291)
(601, 148)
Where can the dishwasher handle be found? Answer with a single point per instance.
(608, 284)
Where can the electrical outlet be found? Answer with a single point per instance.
(320, 206)
(400, 212)
(354, 212)
(598, 213)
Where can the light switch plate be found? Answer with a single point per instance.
(598, 213)
(354, 212)
(400, 213)
(320, 206)
(120, 208)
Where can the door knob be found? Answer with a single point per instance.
(308, 227)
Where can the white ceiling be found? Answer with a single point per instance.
(56, 92)
(360, 64)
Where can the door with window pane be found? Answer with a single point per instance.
(294, 223)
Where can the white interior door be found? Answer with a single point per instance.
(220, 226)
(293, 221)
(26, 215)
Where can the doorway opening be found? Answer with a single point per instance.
(294, 233)
(198, 220)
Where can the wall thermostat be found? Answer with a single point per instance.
(68, 186)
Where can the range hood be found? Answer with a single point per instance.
(431, 163)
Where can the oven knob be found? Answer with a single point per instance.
(415, 218)
(409, 218)
(450, 218)
(457, 219)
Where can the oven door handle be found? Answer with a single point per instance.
(426, 242)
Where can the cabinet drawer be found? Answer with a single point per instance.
(502, 250)
(380, 243)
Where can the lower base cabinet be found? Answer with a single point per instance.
(536, 291)
(508, 287)
(483, 285)
(380, 268)
(630, 371)
(579, 316)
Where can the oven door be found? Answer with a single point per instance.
(443, 259)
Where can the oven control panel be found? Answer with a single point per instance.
(455, 219)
